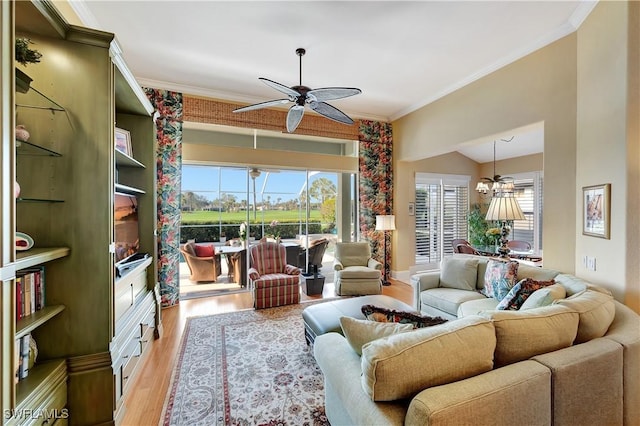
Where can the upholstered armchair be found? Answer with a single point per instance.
(205, 267)
(356, 273)
(274, 282)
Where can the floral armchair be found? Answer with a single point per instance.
(274, 282)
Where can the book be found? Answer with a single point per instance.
(24, 356)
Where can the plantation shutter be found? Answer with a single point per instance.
(441, 209)
(528, 192)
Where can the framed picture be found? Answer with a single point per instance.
(123, 141)
(596, 210)
(412, 209)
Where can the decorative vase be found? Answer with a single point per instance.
(16, 189)
(21, 133)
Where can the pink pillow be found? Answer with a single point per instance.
(204, 251)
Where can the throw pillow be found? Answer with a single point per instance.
(204, 251)
(376, 313)
(401, 365)
(499, 278)
(544, 297)
(520, 292)
(459, 272)
(358, 332)
(523, 334)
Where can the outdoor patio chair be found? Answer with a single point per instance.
(202, 268)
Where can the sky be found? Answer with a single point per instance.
(284, 184)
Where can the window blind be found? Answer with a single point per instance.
(441, 209)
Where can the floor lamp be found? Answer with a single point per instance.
(385, 223)
(504, 208)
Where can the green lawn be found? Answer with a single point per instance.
(189, 218)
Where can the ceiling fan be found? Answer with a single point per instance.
(302, 95)
(497, 182)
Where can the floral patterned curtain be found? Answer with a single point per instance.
(375, 184)
(168, 106)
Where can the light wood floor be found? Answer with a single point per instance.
(145, 398)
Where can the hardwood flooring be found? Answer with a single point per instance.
(145, 398)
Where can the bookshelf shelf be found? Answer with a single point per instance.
(123, 160)
(39, 255)
(29, 323)
(128, 189)
(30, 148)
(41, 376)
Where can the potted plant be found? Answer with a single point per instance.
(24, 55)
(479, 226)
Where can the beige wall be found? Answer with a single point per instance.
(585, 88)
(538, 88)
(607, 146)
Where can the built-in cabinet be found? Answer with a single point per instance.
(93, 333)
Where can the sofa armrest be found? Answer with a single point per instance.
(337, 265)
(346, 403)
(374, 264)
(473, 401)
(253, 274)
(291, 270)
(424, 281)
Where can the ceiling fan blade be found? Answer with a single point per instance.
(281, 88)
(331, 112)
(331, 93)
(262, 105)
(294, 117)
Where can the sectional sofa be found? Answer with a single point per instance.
(572, 360)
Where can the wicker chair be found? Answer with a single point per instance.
(316, 254)
(274, 282)
(202, 269)
(457, 242)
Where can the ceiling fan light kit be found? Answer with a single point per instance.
(499, 184)
(302, 95)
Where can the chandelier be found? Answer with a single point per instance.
(498, 184)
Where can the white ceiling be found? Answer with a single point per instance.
(403, 55)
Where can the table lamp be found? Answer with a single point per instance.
(504, 208)
(385, 223)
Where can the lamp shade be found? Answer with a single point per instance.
(385, 222)
(504, 208)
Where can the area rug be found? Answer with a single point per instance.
(246, 368)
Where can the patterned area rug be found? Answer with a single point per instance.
(246, 368)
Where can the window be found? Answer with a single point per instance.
(442, 205)
(528, 191)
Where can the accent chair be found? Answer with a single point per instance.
(356, 273)
(274, 282)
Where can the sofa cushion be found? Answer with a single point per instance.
(460, 273)
(474, 307)
(358, 332)
(499, 278)
(544, 297)
(523, 334)
(575, 285)
(447, 299)
(362, 272)
(535, 272)
(520, 292)
(401, 365)
(379, 314)
(596, 310)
